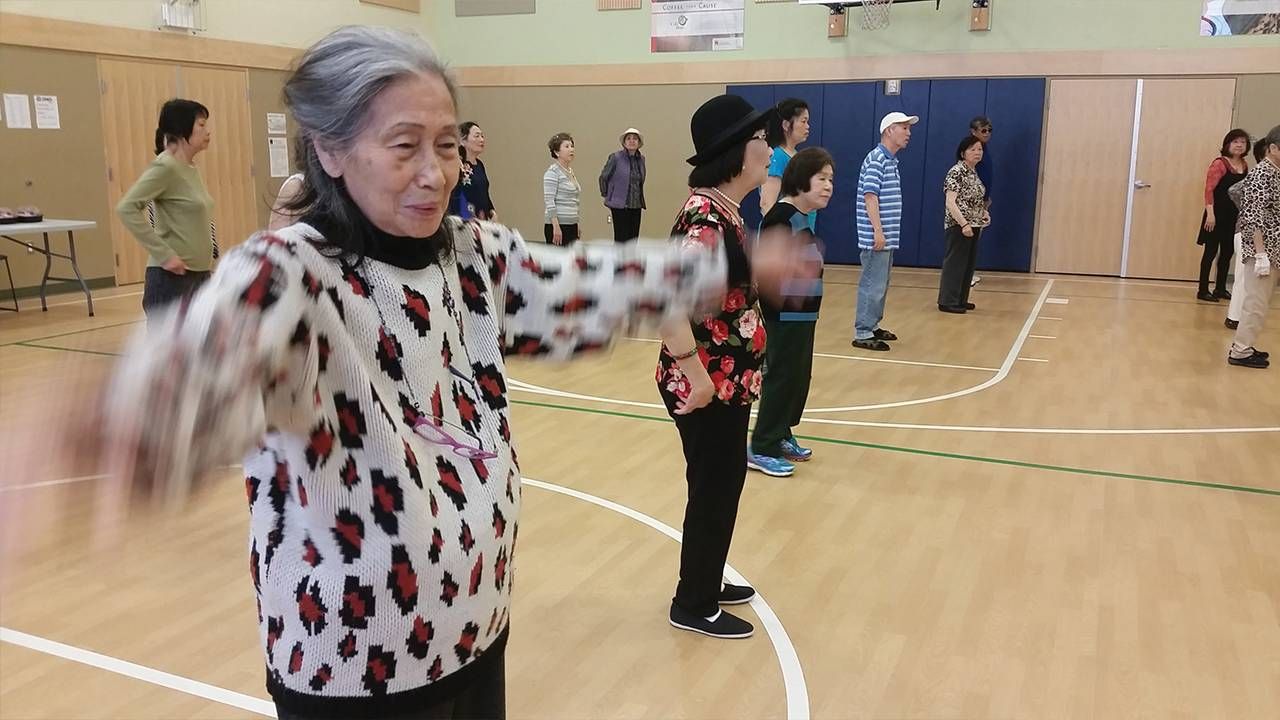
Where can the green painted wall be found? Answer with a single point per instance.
(571, 32)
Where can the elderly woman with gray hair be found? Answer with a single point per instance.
(354, 360)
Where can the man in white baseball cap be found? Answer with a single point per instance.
(879, 216)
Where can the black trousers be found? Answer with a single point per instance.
(1214, 245)
(626, 224)
(788, 370)
(568, 233)
(161, 287)
(958, 266)
(485, 698)
(715, 454)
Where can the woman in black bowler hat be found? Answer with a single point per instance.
(709, 371)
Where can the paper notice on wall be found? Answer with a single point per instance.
(47, 117)
(17, 111)
(278, 149)
(1240, 17)
(696, 25)
(276, 124)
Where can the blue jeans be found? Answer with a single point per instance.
(872, 288)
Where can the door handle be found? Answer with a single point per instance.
(1139, 185)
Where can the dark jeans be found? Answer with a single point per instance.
(485, 698)
(161, 287)
(1223, 249)
(788, 369)
(958, 267)
(715, 454)
(626, 224)
(568, 233)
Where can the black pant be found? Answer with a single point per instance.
(161, 287)
(626, 224)
(958, 267)
(715, 455)
(788, 369)
(484, 698)
(1223, 249)
(568, 233)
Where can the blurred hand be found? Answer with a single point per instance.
(777, 258)
(557, 237)
(967, 231)
(878, 243)
(1262, 266)
(1210, 222)
(175, 265)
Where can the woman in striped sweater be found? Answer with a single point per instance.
(561, 193)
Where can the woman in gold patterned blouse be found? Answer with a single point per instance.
(966, 216)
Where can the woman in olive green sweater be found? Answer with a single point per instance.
(180, 243)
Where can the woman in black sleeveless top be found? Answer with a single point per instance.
(1218, 227)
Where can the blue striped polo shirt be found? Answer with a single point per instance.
(879, 176)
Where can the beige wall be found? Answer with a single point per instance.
(63, 172)
(518, 122)
(1258, 103)
(265, 88)
(294, 23)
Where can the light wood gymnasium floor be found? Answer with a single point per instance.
(1065, 504)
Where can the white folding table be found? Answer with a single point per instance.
(43, 228)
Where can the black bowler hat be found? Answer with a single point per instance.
(722, 122)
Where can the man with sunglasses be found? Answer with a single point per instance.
(980, 127)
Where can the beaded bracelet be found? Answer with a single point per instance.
(687, 355)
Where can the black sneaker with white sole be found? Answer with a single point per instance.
(736, 594)
(1252, 361)
(721, 625)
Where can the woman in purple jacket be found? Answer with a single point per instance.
(622, 186)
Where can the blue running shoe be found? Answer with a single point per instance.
(772, 466)
(792, 451)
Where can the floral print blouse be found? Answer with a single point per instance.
(964, 182)
(731, 342)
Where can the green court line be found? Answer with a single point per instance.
(73, 332)
(857, 443)
(950, 456)
(25, 343)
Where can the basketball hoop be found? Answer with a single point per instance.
(875, 14)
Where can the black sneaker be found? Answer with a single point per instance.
(956, 309)
(1231, 324)
(882, 334)
(1222, 294)
(1262, 354)
(970, 306)
(736, 594)
(1206, 296)
(1253, 361)
(724, 626)
(872, 344)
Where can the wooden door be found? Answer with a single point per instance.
(132, 93)
(227, 166)
(1088, 140)
(1182, 126)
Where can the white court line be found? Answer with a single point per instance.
(1057, 301)
(139, 672)
(1045, 317)
(867, 359)
(792, 673)
(1027, 359)
(960, 428)
(1000, 375)
(104, 298)
(49, 483)
(906, 362)
(1113, 281)
(1044, 337)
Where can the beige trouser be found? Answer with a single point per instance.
(1253, 313)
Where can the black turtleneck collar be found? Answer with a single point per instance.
(371, 242)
